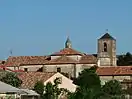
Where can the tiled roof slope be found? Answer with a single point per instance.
(62, 60)
(67, 51)
(107, 36)
(88, 59)
(29, 79)
(25, 60)
(85, 59)
(117, 70)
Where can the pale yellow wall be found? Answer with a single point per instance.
(31, 67)
(72, 69)
(66, 68)
(108, 78)
(65, 82)
(75, 57)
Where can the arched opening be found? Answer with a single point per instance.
(105, 47)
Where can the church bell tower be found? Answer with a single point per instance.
(106, 50)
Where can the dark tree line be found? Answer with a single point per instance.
(124, 60)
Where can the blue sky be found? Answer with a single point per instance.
(40, 27)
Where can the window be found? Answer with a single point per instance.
(105, 47)
(25, 69)
(58, 69)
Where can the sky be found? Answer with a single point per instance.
(40, 27)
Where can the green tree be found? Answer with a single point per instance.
(112, 88)
(39, 88)
(89, 85)
(12, 79)
(50, 91)
(88, 79)
(124, 60)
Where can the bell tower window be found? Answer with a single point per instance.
(105, 47)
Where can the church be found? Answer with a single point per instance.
(68, 60)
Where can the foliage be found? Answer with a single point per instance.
(113, 87)
(12, 79)
(65, 74)
(90, 88)
(49, 91)
(86, 93)
(88, 79)
(125, 60)
(39, 88)
(89, 85)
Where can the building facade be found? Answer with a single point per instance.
(106, 50)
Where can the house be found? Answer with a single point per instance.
(66, 83)
(8, 91)
(120, 73)
(29, 79)
(25, 63)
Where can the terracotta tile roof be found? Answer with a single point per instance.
(25, 60)
(62, 60)
(67, 51)
(88, 59)
(30, 78)
(117, 70)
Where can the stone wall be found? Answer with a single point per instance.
(66, 68)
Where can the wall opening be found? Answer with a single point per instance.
(58, 69)
(25, 69)
(105, 47)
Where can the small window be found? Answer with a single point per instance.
(25, 69)
(105, 47)
(3, 62)
(58, 69)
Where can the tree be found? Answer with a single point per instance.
(12, 79)
(39, 88)
(49, 91)
(88, 78)
(52, 91)
(112, 88)
(89, 85)
(124, 60)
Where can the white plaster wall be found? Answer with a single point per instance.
(66, 83)
(12, 68)
(54, 57)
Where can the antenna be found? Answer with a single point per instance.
(10, 52)
(106, 30)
